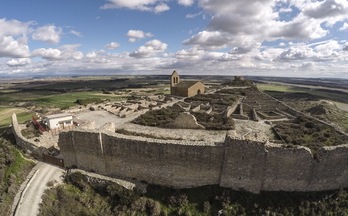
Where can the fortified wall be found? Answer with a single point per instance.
(236, 164)
(23, 142)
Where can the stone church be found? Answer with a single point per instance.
(185, 88)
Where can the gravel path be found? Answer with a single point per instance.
(30, 198)
(102, 117)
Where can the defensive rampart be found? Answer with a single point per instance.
(237, 164)
(23, 142)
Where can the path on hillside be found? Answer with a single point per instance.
(29, 198)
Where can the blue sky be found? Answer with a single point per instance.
(298, 38)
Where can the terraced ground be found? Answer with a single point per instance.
(330, 106)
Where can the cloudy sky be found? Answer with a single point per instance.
(300, 38)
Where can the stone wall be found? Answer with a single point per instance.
(23, 142)
(237, 164)
(243, 165)
(287, 169)
(170, 163)
(173, 163)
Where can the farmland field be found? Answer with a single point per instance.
(6, 113)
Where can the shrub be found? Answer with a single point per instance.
(159, 118)
(310, 133)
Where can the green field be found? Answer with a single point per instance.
(6, 113)
(275, 87)
(51, 99)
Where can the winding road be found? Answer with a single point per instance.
(29, 199)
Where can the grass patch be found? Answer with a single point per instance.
(13, 171)
(6, 113)
(277, 88)
(16, 166)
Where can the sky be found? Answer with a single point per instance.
(287, 38)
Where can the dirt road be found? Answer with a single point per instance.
(30, 197)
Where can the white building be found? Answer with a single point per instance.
(59, 121)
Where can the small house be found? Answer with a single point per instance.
(59, 121)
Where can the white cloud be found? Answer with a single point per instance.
(299, 53)
(13, 27)
(99, 57)
(210, 40)
(161, 8)
(135, 35)
(49, 54)
(186, 2)
(76, 33)
(112, 45)
(156, 6)
(149, 49)
(328, 48)
(9, 47)
(325, 51)
(57, 54)
(190, 54)
(250, 22)
(191, 16)
(285, 10)
(344, 27)
(49, 33)
(328, 8)
(300, 28)
(13, 38)
(20, 62)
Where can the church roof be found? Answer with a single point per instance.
(186, 84)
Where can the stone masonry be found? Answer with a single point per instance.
(237, 164)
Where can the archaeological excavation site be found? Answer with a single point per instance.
(233, 135)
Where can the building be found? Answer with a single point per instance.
(59, 121)
(185, 88)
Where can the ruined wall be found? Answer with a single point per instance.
(237, 164)
(243, 165)
(21, 141)
(287, 169)
(84, 150)
(330, 170)
(171, 163)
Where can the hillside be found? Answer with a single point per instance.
(79, 197)
(13, 171)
